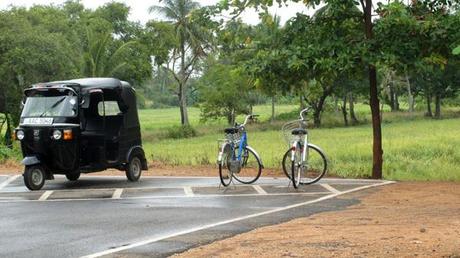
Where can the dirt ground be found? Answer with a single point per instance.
(400, 220)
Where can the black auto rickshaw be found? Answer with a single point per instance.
(79, 126)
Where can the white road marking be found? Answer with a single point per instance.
(8, 181)
(117, 193)
(45, 195)
(188, 191)
(330, 188)
(329, 179)
(156, 239)
(259, 189)
(176, 196)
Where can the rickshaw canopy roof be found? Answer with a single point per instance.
(120, 90)
(88, 83)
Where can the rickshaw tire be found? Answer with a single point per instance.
(30, 175)
(73, 176)
(134, 169)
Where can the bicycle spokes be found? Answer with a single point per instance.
(251, 168)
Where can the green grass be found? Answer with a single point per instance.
(155, 123)
(415, 148)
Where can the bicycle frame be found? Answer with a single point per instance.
(303, 150)
(243, 143)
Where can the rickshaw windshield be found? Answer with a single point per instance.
(50, 106)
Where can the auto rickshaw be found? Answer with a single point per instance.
(79, 126)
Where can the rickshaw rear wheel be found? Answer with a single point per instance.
(73, 176)
(134, 169)
(34, 177)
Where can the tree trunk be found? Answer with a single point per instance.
(183, 105)
(392, 98)
(316, 117)
(377, 157)
(396, 102)
(301, 97)
(273, 109)
(231, 117)
(353, 118)
(318, 107)
(409, 94)
(183, 89)
(428, 113)
(437, 111)
(336, 104)
(8, 140)
(344, 110)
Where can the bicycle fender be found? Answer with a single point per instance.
(317, 147)
(221, 152)
(257, 155)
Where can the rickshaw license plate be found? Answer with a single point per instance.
(38, 121)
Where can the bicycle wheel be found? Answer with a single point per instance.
(286, 163)
(296, 167)
(225, 173)
(316, 165)
(251, 168)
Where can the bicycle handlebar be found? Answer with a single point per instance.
(246, 119)
(305, 110)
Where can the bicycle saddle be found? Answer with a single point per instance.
(231, 130)
(298, 131)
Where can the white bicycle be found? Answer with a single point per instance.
(303, 163)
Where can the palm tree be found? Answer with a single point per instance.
(192, 40)
(100, 61)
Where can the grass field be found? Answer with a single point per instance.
(415, 148)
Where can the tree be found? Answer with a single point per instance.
(192, 40)
(366, 18)
(224, 92)
(397, 38)
(114, 46)
(30, 53)
(268, 42)
(311, 56)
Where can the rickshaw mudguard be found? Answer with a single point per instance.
(34, 160)
(30, 160)
(137, 150)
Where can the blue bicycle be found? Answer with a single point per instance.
(236, 158)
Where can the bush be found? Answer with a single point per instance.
(178, 132)
(7, 153)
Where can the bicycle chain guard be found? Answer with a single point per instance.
(234, 166)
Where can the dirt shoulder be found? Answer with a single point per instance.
(400, 220)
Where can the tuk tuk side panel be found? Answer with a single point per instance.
(131, 131)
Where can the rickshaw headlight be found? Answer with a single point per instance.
(57, 134)
(20, 135)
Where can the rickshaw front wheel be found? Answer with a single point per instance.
(34, 177)
(73, 176)
(134, 169)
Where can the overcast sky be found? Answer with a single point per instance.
(139, 8)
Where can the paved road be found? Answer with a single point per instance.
(157, 216)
